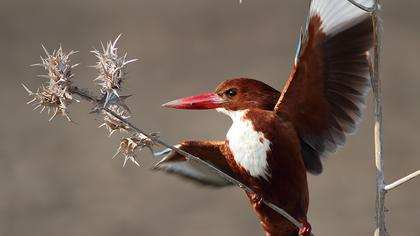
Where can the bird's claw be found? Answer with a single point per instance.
(256, 199)
(306, 228)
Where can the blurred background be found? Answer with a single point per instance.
(58, 178)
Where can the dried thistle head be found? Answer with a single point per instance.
(112, 72)
(55, 94)
(129, 146)
(113, 123)
(58, 65)
(111, 68)
(117, 105)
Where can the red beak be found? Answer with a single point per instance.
(197, 102)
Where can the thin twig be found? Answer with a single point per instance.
(83, 94)
(402, 181)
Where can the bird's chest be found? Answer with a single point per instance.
(249, 148)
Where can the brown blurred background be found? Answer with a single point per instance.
(58, 178)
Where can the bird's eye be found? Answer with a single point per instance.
(230, 93)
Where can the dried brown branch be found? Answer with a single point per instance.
(57, 93)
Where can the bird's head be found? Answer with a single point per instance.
(231, 95)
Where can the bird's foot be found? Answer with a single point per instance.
(306, 228)
(256, 199)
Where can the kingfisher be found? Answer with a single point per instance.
(277, 137)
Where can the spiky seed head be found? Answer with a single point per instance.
(113, 123)
(129, 146)
(111, 68)
(55, 94)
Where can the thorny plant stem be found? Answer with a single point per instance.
(83, 94)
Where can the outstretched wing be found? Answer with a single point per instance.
(209, 151)
(326, 90)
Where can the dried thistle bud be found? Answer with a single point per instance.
(113, 123)
(111, 68)
(129, 146)
(116, 105)
(107, 100)
(55, 94)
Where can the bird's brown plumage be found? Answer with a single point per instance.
(287, 185)
(327, 87)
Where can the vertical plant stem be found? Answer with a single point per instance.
(379, 161)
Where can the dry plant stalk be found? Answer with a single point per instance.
(57, 94)
(381, 188)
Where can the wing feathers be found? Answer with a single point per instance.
(326, 90)
(336, 15)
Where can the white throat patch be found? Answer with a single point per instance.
(249, 147)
